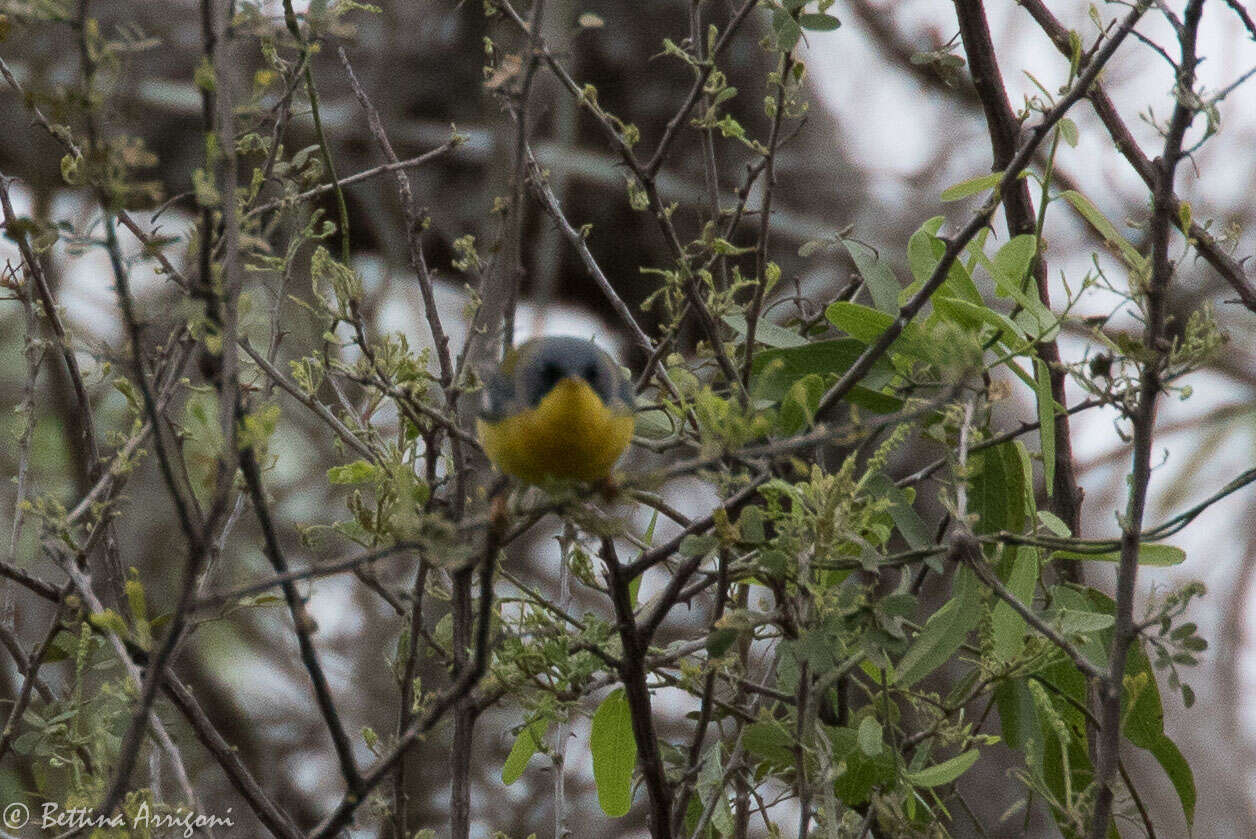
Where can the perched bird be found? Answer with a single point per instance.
(556, 407)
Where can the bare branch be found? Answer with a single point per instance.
(464, 682)
(1004, 130)
(302, 625)
(414, 223)
(632, 671)
(1143, 419)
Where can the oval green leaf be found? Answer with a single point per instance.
(944, 772)
(1156, 556)
(526, 744)
(614, 754)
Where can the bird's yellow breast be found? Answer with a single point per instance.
(571, 433)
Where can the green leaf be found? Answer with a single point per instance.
(915, 532)
(798, 408)
(135, 599)
(997, 490)
(634, 585)
(1068, 130)
(1086, 208)
(1143, 725)
(1025, 463)
(972, 186)
(787, 29)
(1007, 627)
(1182, 631)
(819, 23)
(751, 525)
(866, 325)
(873, 401)
(1019, 720)
(1073, 687)
(711, 792)
(1085, 610)
(654, 424)
(110, 621)
(972, 316)
(1011, 262)
(877, 276)
(870, 742)
(1153, 555)
(526, 744)
(25, 743)
(1009, 269)
(944, 772)
(357, 472)
(925, 251)
(766, 332)
(1046, 422)
(720, 640)
(698, 544)
(614, 754)
(775, 371)
(943, 634)
(724, 95)
(1075, 622)
(922, 252)
(1184, 215)
(860, 322)
(1142, 712)
(770, 742)
(859, 774)
(1055, 524)
(1175, 766)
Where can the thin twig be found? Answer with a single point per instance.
(463, 684)
(968, 551)
(34, 355)
(632, 672)
(272, 817)
(30, 677)
(216, 599)
(512, 266)
(318, 408)
(81, 420)
(302, 624)
(83, 586)
(349, 180)
(414, 222)
(311, 92)
(1143, 420)
(405, 711)
(765, 218)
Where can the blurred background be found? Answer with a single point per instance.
(892, 122)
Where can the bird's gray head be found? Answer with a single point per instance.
(533, 369)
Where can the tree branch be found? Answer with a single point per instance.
(1143, 419)
(632, 672)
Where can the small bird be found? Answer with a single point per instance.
(556, 407)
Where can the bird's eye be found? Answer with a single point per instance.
(591, 374)
(551, 373)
